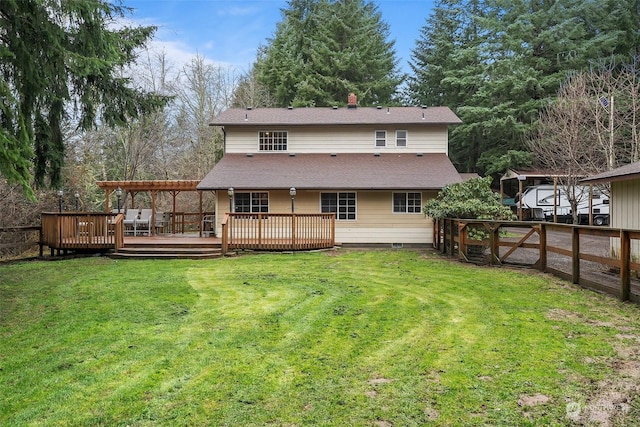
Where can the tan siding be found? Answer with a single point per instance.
(625, 205)
(376, 222)
(345, 139)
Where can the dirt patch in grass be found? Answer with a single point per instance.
(535, 400)
(568, 316)
(375, 381)
(612, 398)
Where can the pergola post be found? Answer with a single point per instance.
(152, 226)
(174, 187)
(200, 225)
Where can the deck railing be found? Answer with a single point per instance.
(279, 232)
(592, 257)
(77, 231)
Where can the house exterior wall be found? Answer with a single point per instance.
(341, 139)
(625, 204)
(376, 223)
(624, 208)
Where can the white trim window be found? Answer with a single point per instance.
(344, 205)
(402, 137)
(256, 202)
(407, 202)
(272, 140)
(381, 138)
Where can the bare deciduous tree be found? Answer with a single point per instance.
(592, 126)
(562, 144)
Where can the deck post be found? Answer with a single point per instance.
(625, 257)
(225, 234)
(575, 255)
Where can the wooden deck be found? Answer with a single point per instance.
(172, 239)
(170, 246)
(105, 232)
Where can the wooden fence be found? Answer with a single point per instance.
(82, 231)
(598, 258)
(18, 240)
(274, 231)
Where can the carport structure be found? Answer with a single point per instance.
(153, 187)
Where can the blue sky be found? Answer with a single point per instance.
(229, 32)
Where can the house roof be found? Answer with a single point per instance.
(623, 173)
(387, 171)
(336, 116)
(529, 173)
(468, 176)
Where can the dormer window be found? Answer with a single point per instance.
(273, 140)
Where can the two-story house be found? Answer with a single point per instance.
(373, 167)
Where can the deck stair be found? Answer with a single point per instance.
(169, 249)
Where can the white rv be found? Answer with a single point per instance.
(539, 199)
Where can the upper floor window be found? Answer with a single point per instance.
(407, 202)
(401, 138)
(342, 204)
(273, 140)
(381, 138)
(251, 202)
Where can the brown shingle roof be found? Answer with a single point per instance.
(623, 173)
(339, 116)
(388, 171)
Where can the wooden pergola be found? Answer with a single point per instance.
(173, 187)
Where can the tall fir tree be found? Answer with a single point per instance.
(60, 58)
(516, 54)
(322, 50)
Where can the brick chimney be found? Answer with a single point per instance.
(352, 100)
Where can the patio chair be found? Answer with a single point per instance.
(143, 223)
(208, 225)
(162, 221)
(130, 220)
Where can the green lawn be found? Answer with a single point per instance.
(347, 338)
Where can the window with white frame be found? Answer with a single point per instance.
(273, 140)
(251, 202)
(342, 204)
(407, 202)
(401, 138)
(381, 138)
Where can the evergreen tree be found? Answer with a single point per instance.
(322, 50)
(497, 63)
(60, 58)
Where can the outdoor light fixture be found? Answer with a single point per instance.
(77, 200)
(292, 193)
(119, 196)
(230, 193)
(60, 193)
